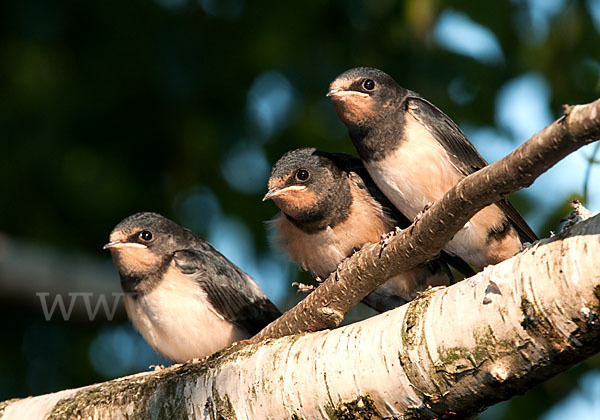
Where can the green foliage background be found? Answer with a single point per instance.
(112, 107)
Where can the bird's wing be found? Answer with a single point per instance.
(232, 293)
(461, 151)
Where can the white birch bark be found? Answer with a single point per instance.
(450, 353)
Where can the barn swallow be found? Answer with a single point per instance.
(330, 208)
(415, 153)
(186, 299)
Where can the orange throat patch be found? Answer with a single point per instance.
(354, 109)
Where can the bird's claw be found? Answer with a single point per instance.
(386, 237)
(157, 367)
(420, 214)
(578, 214)
(304, 288)
(198, 359)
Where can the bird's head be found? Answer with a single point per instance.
(141, 243)
(305, 184)
(362, 95)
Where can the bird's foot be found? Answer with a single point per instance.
(199, 359)
(578, 214)
(304, 288)
(386, 237)
(526, 245)
(420, 214)
(158, 367)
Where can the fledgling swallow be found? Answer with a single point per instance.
(186, 299)
(330, 208)
(415, 153)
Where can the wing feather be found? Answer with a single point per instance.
(232, 293)
(463, 155)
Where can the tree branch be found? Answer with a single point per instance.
(513, 325)
(28, 268)
(360, 274)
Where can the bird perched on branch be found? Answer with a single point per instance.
(185, 298)
(415, 153)
(330, 208)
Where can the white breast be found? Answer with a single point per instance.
(419, 171)
(176, 320)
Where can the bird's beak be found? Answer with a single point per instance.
(333, 92)
(121, 244)
(340, 93)
(274, 192)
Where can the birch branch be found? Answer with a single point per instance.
(369, 268)
(448, 354)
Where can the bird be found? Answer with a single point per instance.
(185, 298)
(415, 153)
(330, 208)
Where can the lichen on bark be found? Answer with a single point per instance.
(362, 408)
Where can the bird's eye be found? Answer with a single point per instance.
(145, 235)
(302, 175)
(369, 84)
